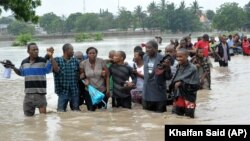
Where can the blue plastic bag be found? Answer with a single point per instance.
(96, 95)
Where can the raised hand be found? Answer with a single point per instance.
(50, 52)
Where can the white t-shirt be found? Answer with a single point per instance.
(151, 65)
(139, 83)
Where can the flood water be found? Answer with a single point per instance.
(227, 103)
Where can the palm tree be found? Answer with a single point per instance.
(182, 5)
(140, 15)
(163, 5)
(152, 8)
(138, 11)
(196, 8)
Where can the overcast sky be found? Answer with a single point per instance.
(66, 7)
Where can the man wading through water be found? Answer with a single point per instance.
(34, 70)
(156, 72)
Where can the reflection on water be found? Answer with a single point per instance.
(226, 103)
(53, 127)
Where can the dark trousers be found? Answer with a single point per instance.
(63, 100)
(223, 64)
(82, 92)
(183, 107)
(156, 106)
(92, 107)
(122, 102)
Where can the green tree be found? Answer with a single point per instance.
(19, 27)
(140, 16)
(88, 22)
(22, 9)
(71, 21)
(161, 15)
(170, 16)
(247, 11)
(153, 18)
(152, 8)
(162, 5)
(210, 14)
(229, 17)
(106, 19)
(124, 18)
(51, 23)
(182, 19)
(196, 8)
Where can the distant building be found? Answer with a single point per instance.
(203, 18)
(3, 29)
(39, 30)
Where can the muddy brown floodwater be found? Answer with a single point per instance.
(227, 103)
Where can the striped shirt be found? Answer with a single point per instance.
(66, 80)
(35, 75)
(121, 74)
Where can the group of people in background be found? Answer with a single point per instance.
(153, 79)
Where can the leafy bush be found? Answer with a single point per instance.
(22, 40)
(98, 37)
(83, 37)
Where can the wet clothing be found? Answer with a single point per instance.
(121, 102)
(183, 107)
(189, 47)
(213, 45)
(121, 93)
(35, 83)
(136, 96)
(94, 75)
(121, 74)
(35, 75)
(188, 75)
(154, 86)
(111, 83)
(170, 94)
(154, 106)
(246, 47)
(203, 70)
(67, 78)
(82, 93)
(223, 51)
(63, 100)
(33, 101)
(92, 107)
(203, 45)
(137, 92)
(66, 83)
(238, 47)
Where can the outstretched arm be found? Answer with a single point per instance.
(16, 70)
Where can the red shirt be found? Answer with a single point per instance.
(204, 45)
(245, 44)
